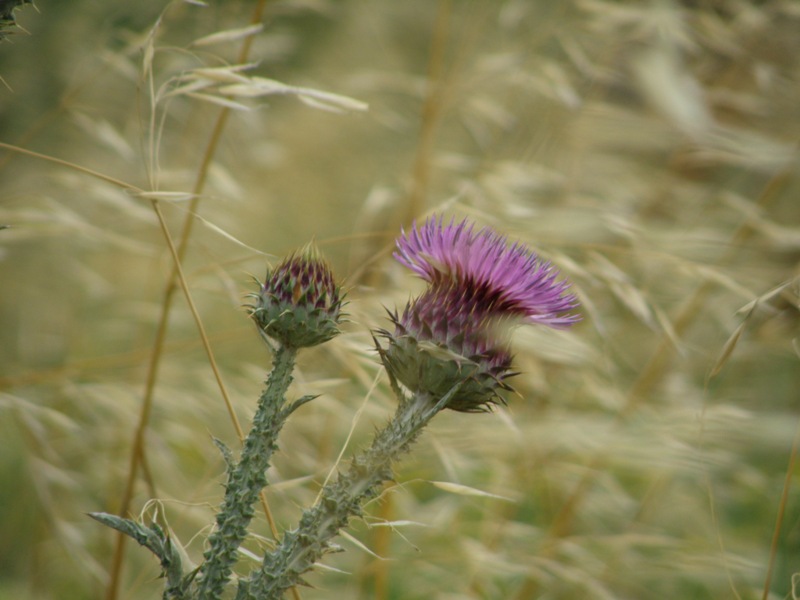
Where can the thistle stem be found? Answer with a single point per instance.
(340, 500)
(246, 479)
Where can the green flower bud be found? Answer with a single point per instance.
(299, 304)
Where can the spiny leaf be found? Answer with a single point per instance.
(152, 539)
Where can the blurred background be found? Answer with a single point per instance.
(648, 149)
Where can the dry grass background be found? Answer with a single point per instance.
(648, 148)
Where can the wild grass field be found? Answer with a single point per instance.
(648, 149)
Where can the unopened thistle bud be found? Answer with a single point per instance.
(458, 330)
(299, 303)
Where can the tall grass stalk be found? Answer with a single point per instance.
(781, 513)
(138, 449)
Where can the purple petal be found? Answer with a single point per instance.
(516, 282)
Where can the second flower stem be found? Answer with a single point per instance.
(341, 500)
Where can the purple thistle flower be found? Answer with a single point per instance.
(458, 330)
(516, 281)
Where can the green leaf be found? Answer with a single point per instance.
(156, 540)
(152, 539)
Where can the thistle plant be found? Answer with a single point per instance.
(450, 348)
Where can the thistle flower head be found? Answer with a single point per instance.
(299, 303)
(458, 330)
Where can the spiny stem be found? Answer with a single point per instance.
(246, 479)
(341, 500)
